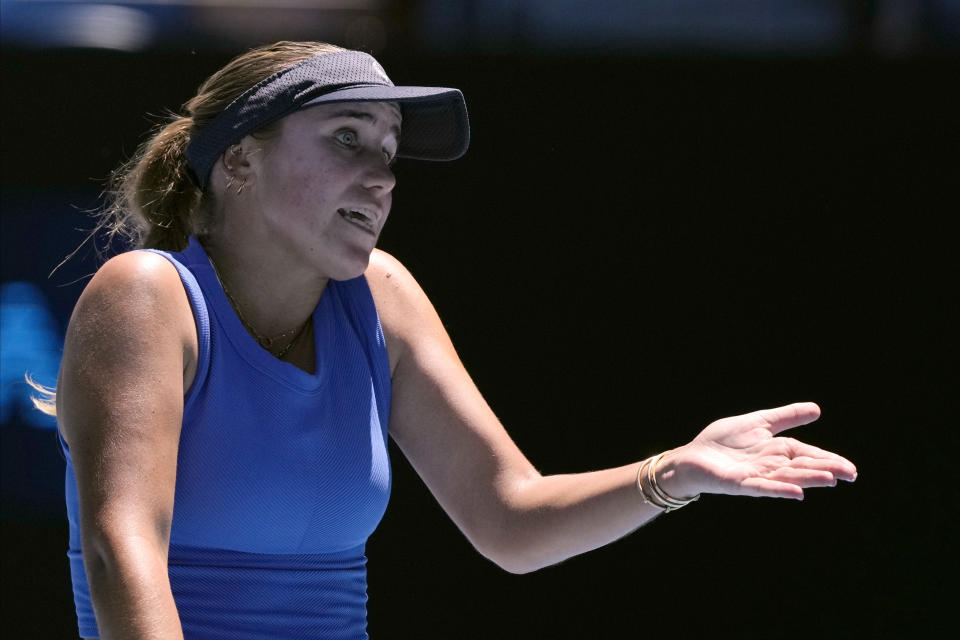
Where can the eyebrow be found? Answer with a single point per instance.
(362, 115)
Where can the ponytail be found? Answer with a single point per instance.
(152, 201)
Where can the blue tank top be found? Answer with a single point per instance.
(281, 474)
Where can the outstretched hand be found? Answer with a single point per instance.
(742, 455)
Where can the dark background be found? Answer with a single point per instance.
(639, 241)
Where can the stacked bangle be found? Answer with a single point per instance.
(651, 491)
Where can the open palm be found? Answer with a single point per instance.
(742, 455)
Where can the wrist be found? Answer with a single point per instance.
(676, 475)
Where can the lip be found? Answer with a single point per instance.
(364, 217)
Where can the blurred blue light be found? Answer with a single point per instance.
(87, 25)
(30, 343)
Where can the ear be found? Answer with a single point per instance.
(236, 158)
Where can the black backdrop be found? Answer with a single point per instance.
(631, 248)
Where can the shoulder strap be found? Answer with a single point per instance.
(200, 316)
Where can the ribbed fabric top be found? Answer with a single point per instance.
(281, 475)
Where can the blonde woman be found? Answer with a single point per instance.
(226, 393)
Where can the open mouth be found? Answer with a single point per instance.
(361, 218)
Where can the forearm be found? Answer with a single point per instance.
(552, 518)
(131, 591)
(556, 517)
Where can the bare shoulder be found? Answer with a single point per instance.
(390, 281)
(141, 274)
(406, 314)
(133, 322)
(134, 295)
(399, 298)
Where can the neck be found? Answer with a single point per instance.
(274, 301)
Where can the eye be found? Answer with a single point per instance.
(347, 137)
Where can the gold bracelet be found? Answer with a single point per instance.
(657, 496)
(643, 492)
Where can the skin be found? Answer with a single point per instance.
(124, 376)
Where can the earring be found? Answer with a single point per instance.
(233, 149)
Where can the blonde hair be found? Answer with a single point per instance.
(46, 402)
(152, 201)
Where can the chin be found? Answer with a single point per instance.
(353, 266)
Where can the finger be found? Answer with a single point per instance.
(839, 467)
(789, 416)
(842, 468)
(764, 487)
(803, 478)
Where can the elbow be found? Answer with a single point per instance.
(103, 562)
(516, 561)
(510, 563)
(513, 537)
(513, 550)
(520, 568)
(109, 556)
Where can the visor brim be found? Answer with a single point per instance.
(435, 123)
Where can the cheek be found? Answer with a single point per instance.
(298, 184)
(305, 180)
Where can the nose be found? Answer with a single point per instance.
(378, 176)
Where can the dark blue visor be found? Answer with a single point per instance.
(435, 124)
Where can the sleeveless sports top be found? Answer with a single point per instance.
(281, 474)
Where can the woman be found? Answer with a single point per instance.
(224, 401)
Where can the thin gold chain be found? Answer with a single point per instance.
(267, 342)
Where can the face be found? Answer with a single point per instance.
(323, 183)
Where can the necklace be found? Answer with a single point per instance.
(267, 342)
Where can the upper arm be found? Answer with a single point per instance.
(438, 417)
(126, 356)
